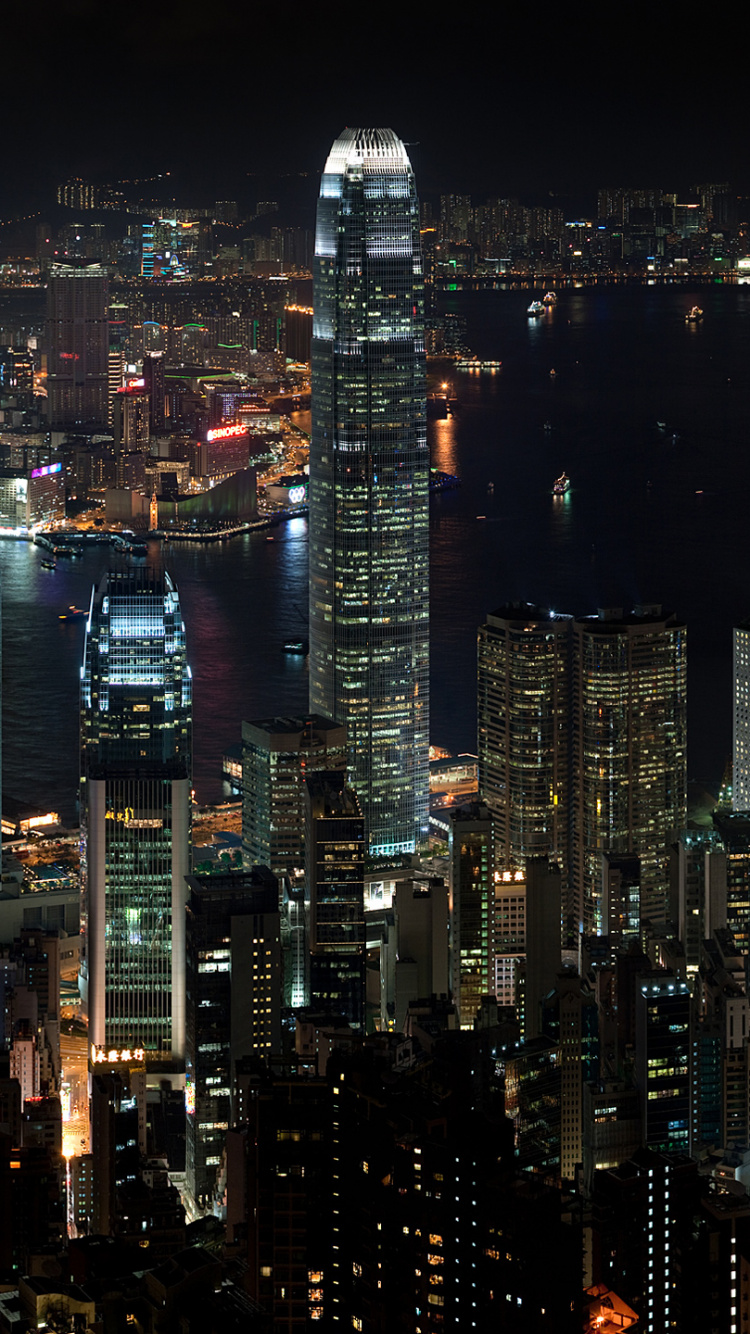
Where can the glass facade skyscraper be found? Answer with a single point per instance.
(629, 751)
(136, 727)
(369, 482)
(77, 346)
(523, 705)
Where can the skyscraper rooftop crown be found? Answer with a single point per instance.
(372, 150)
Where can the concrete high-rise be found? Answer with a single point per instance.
(136, 729)
(77, 347)
(369, 482)
(629, 751)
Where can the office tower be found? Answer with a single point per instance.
(611, 1126)
(510, 934)
(233, 1004)
(741, 730)
(77, 347)
(543, 953)
(629, 758)
(570, 1018)
(523, 704)
(118, 1134)
(334, 870)
(153, 375)
(533, 1104)
(621, 897)
(131, 420)
(728, 878)
(277, 755)
(369, 483)
(697, 868)
(720, 1037)
(472, 909)
(414, 954)
(662, 1060)
(136, 727)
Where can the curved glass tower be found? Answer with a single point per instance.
(369, 482)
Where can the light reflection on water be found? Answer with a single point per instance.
(624, 360)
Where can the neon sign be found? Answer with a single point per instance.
(296, 495)
(124, 816)
(114, 1055)
(225, 432)
(46, 472)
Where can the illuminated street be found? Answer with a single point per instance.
(74, 1057)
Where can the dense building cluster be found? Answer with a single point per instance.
(389, 1065)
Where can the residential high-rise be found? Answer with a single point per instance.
(369, 482)
(523, 705)
(629, 757)
(77, 347)
(136, 726)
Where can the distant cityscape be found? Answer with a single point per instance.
(394, 1039)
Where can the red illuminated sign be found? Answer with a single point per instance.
(225, 432)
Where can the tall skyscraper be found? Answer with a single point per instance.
(335, 874)
(741, 730)
(472, 909)
(629, 752)
(136, 726)
(523, 706)
(277, 755)
(369, 482)
(233, 986)
(582, 741)
(77, 347)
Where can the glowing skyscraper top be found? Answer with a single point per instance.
(369, 482)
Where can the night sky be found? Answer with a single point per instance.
(492, 99)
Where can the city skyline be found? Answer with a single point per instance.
(552, 100)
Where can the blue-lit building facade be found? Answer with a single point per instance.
(136, 745)
(369, 482)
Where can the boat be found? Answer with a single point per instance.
(536, 308)
(49, 565)
(553, 373)
(694, 315)
(561, 485)
(72, 613)
(299, 647)
(549, 299)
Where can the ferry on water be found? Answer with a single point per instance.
(536, 308)
(694, 315)
(549, 299)
(561, 485)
